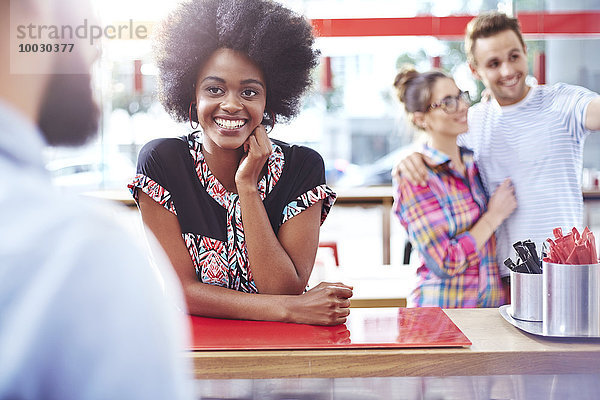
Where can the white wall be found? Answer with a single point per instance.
(575, 61)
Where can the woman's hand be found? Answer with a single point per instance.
(257, 149)
(502, 203)
(325, 304)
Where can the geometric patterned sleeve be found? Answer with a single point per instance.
(153, 176)
(155, 191)
(305, 200)
(309, 185)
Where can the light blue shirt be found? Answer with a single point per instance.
(83, 315)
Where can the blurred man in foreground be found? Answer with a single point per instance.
(82, 313)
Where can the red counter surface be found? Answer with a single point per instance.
(497, 348)
(365, 328)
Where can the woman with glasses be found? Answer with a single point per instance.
(450, 220)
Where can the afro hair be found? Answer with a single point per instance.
(278, 40)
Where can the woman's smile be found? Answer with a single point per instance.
(230, 124)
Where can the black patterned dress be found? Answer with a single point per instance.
(174, 173)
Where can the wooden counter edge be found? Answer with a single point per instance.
(386, 363)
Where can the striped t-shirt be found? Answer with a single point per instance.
(538, 143)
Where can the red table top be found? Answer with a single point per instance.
(365, 328)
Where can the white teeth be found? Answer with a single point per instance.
(230, 124)
(511, 82)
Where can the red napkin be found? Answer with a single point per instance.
(573, 248)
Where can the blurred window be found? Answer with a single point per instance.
(352, 116)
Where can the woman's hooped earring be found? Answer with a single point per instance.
(192, 107)
(272, 121)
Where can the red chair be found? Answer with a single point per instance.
(333, 247)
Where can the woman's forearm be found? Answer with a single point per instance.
(325, 304)
(272, 268)
(218, 302)
(484, 228)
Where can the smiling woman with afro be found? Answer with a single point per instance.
(237, 213)
(275, 38)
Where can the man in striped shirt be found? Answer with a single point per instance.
(534, 135)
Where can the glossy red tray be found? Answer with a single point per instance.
(366, 327)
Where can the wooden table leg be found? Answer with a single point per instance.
(386, 231)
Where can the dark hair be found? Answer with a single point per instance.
(278, 40)
(489, 24)
(414, 88)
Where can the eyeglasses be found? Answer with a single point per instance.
(450, 104)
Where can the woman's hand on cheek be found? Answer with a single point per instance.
(257, 149)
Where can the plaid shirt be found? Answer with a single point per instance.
(453, 272)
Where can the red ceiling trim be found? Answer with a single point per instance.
(532, 24)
